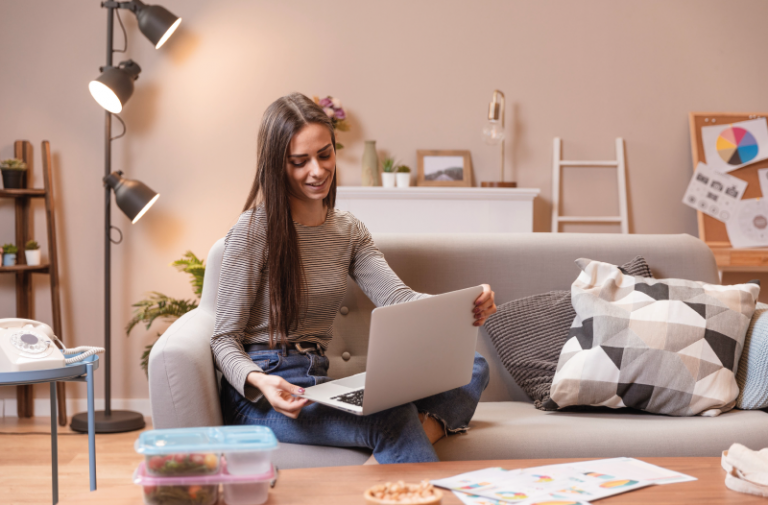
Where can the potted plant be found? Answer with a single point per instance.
(403, 176)
(9, 255)
(388, 173)
(165, 308)
(14, 173)
(32, 252)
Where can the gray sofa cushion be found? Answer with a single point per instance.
(528, 334)
(516, 430)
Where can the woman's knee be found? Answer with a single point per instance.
(481, 371)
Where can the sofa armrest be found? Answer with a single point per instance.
(182, 378)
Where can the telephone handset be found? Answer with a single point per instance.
(27, 345)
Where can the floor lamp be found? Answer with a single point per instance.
(111, 90)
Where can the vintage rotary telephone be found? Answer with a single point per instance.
(27, 345)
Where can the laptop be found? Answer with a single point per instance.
(415, 350)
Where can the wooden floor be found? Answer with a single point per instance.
(25, 460)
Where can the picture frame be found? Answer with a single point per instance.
(444, 168)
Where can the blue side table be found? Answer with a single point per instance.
(76, 372)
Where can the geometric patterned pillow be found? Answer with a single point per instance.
(667, 346)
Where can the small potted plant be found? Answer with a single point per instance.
(32, 252)
(388, 173)
(403, 176)
(9, 255)
(14, 173)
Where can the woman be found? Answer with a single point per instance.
(283, 277)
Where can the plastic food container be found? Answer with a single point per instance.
(248, 449)
(204, 489)
(197, 451)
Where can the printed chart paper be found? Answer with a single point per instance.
(748, 226)
(713, 193)
(472, 499)
(762, 175)
(541, 485)
(569, 483)
(731, 146)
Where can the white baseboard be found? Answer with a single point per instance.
(75, 405)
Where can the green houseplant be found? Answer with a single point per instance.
(32, 253)
(9, 255)
(388, 173)
(163, 307)
(14, 173)
(403, 176)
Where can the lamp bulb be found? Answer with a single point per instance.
(493, 133)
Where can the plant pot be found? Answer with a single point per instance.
(14, 179)
(403, 179)
(9, 260)
(33, 257)
(388, 179)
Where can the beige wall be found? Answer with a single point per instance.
(412, 75)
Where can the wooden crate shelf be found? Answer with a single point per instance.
(22, 193)
(24, 268)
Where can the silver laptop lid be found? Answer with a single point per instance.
(420, 348)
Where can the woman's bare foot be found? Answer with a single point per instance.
(432, 428)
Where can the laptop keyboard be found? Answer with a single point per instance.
(354, 398)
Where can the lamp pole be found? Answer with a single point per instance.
(108, 421)
(107, 234)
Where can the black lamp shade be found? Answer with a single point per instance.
(114, 86)
(157, 23)
(134, 198)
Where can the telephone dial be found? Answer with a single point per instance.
(27, 345)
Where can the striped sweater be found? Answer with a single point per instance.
(341, 245)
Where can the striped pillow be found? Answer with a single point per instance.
(752, 376)
(528, 334)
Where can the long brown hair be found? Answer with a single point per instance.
(281, 121)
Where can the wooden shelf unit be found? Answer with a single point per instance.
(24, 300)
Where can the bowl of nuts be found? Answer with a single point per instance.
(401, 493)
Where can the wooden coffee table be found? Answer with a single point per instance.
(345, 485)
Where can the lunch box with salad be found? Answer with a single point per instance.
(180, 452)
(204, 489)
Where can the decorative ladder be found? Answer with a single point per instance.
(24, 300)
(619, 164)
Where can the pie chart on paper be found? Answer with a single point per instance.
(736, 146)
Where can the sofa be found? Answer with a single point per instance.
(183, 381)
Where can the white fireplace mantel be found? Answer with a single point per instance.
(440, 210)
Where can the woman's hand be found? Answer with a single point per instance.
(279, 393)
(485, 305)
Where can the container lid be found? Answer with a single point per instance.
(206, 439)
(141, 477)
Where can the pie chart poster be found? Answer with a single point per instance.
(731, 146)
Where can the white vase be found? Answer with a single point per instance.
(9, 260)
(403, 179)
(388, 179)
(33, 257)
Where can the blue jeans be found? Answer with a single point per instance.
(394, 435)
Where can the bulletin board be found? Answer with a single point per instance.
(712, 231)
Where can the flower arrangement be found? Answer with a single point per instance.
(333, 109)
